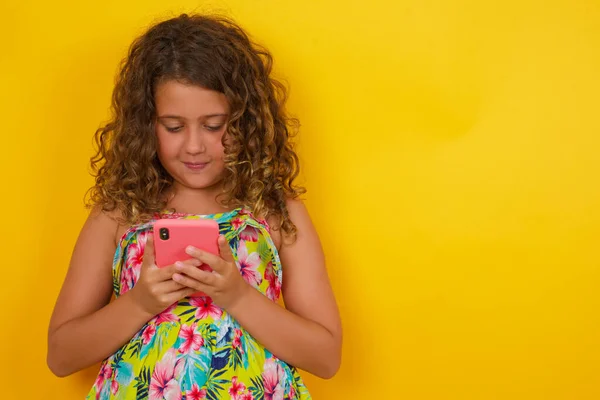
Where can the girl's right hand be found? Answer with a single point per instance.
(155, 290)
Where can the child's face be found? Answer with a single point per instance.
(191, 121)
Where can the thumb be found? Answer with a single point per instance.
(224, 249)
(148, 259)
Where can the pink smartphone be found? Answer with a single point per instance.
(172, 236)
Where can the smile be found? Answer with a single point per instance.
(195, 166)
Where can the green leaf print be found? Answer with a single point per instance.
(135, 347)
(214, 384)
(257, 389)
(301, 390)
(191, 315)
(189, 311)
(142, 384)
(235, 359)
(209, 335)
(224, 229)
(233, 244)
(118, 356)
(264, 251)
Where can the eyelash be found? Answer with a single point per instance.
(208, 128)
(213, 128)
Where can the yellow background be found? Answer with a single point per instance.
(450, 150)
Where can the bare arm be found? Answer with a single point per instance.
(85, 328)
(306, 334)
(299, 341)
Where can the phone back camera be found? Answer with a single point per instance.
(163, 233)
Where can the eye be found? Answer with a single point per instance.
(173, 129)
(213, 128)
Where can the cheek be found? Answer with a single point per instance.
(217, 149)
(166, 146)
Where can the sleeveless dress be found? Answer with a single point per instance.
(194, 349)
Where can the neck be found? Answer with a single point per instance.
(195, 201)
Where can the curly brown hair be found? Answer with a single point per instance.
(215, 53)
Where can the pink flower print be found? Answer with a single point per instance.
(237, 342)
(248, 265)
(272, 374)
(128, 279)
(104, 374)
(114, 386)
(106, 371)
(292, 393)
(206, 308)
(148, 333)
(167, 315)
(249, 234)
(192, 340)
(196, 393)
(163, 384)
(236, 223)
(236, 388)
(135, 255)
(98, 382)
(274, 288)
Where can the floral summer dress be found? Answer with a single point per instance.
(194, 349)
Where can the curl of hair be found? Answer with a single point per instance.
(215, 53)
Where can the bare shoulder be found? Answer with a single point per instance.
(298, 214)
(108, 219)
(108, 222)
(300, 217)
(296, 208)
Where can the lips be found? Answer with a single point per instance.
(195, 166)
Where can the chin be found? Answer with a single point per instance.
(200, 184)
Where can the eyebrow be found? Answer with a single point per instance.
(180, 117)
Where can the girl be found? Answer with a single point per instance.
(199, 131)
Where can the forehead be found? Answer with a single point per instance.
(188, 101)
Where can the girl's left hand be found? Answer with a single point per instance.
(225, 285)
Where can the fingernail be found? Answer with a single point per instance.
(179, 265)
(190, 249)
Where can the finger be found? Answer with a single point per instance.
(166, 273)
(185, 270)
(181, 293)
(225, 249)
(169, 286)
(192, 283)
(212, 260)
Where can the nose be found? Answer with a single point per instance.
(194, 141)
